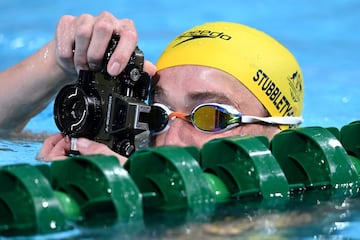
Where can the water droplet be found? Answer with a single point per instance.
(52, 224)
(45, 204)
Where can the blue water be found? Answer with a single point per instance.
(323, 35)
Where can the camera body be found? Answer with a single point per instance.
(107, 109)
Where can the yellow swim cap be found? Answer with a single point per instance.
(257, 60)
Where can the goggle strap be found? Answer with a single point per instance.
(273, 120)
(179, 115)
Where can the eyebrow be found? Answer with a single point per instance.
(202, 97)
(196, 97)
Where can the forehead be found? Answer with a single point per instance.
(188, 85)
(197, 76)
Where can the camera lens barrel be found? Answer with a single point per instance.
(77, 113)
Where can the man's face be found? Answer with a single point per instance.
(182, 88)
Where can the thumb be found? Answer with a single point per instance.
(88, 147)
(149, 67)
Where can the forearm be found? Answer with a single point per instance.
(26, 88)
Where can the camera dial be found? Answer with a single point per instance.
(78, 113)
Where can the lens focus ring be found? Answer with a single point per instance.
(76, 113)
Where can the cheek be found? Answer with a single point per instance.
(203, 138)
(185, 138)
(256, 130)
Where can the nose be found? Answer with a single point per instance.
(179, 133)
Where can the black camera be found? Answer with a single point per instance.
(107, 109)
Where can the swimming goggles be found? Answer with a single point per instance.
(211, 118)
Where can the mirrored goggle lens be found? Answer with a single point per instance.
(211, 118)
(158, 119)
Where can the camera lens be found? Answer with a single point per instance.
(76, 113)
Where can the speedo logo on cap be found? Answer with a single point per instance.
(192, 35)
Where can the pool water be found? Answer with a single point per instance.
(323, 35)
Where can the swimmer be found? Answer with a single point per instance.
(218, 79)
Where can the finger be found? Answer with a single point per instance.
(104, 27)
(88, 147)
(149, 67)
(83, 34)
(125, 47)
(65, 39)
(59, 151)
(49, 144)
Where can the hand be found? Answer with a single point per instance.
(57, 147)
(81, 43)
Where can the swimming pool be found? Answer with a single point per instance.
(323, 36)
